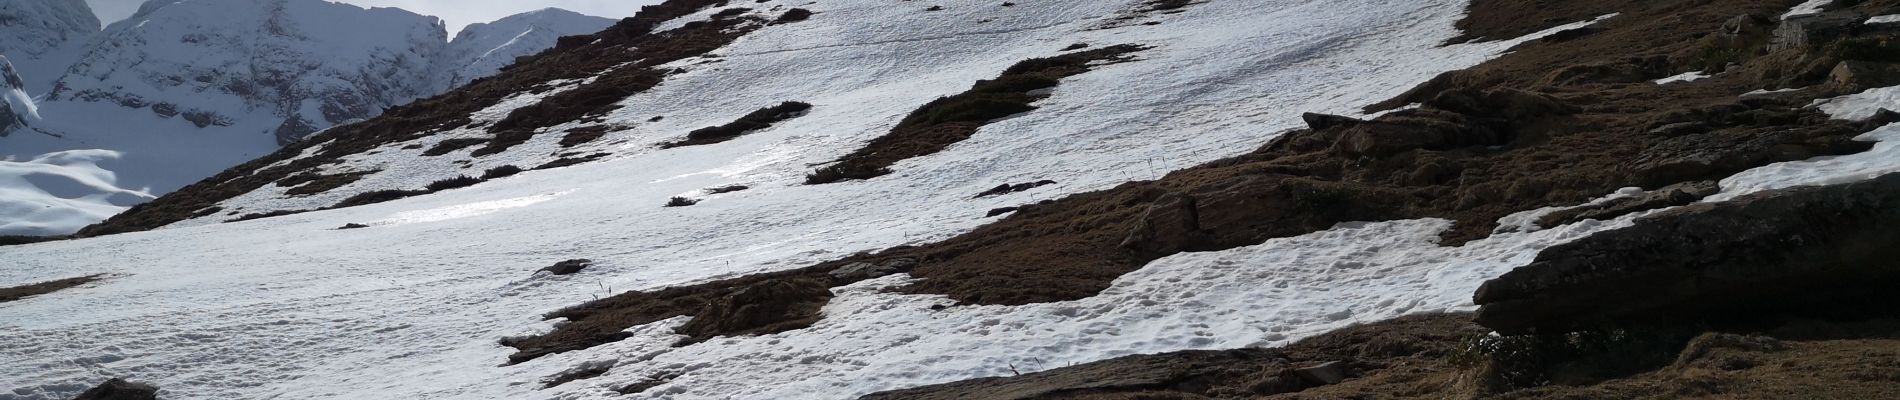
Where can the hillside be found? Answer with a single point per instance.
(1054, 200)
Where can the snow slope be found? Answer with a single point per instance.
(43, 37)
(482, 49)
(59, 193)
(17, 109)
(413, 305)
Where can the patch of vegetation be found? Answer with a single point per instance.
(948, 120)
(501, 172)
(1878, 48)
(12, 240)
(570, 161)
(22, 292)
(1508, 363)
(583, 135)
(269, 214)
(452, 145)
(754, 121)
(727, 189)
(378, 196)
(453, 183)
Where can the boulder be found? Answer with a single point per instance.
(1318, 121)
(1324, 374)
(120, 389)
(1812, 252)
(1813, 30)
(569, 267)
(1855, 76)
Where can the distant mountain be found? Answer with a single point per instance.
(482, 49)
(43, 37)
(307, 64)
(187, 88)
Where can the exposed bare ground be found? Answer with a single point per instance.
(22, 292)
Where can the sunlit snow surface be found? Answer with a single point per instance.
(58, 193)
(290, 307)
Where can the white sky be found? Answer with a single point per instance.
(457, 13)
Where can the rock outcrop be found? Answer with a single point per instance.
(1815, 252)
(120, 389)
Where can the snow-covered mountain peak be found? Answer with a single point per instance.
(484, 48)
(217, 62)
(43, 36)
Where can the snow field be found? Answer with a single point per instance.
(412, 307)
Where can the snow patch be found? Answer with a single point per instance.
(464, 210)
(1685, 77)
(1883, 159)
(1810, 7)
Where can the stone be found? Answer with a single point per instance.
(1327, 373)
(1319, 121)
(1803, 253)
(120, 389)
(569, 267)
(1855, 76)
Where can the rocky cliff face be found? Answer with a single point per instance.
(16, 108)
(44, 36)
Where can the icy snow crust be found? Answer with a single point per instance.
(413, 306)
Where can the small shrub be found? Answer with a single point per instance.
(1526, 361)
(570, 161)
(501, 172)
(844, 172)
(681, 202)
(453, 183)
(727, 189)
(270, 214)
(1881, 49)
(754, 121)
(452, 145)
(793, 15)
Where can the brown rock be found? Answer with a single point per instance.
(569, 267)
(1813, 252)
(1324, 374)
